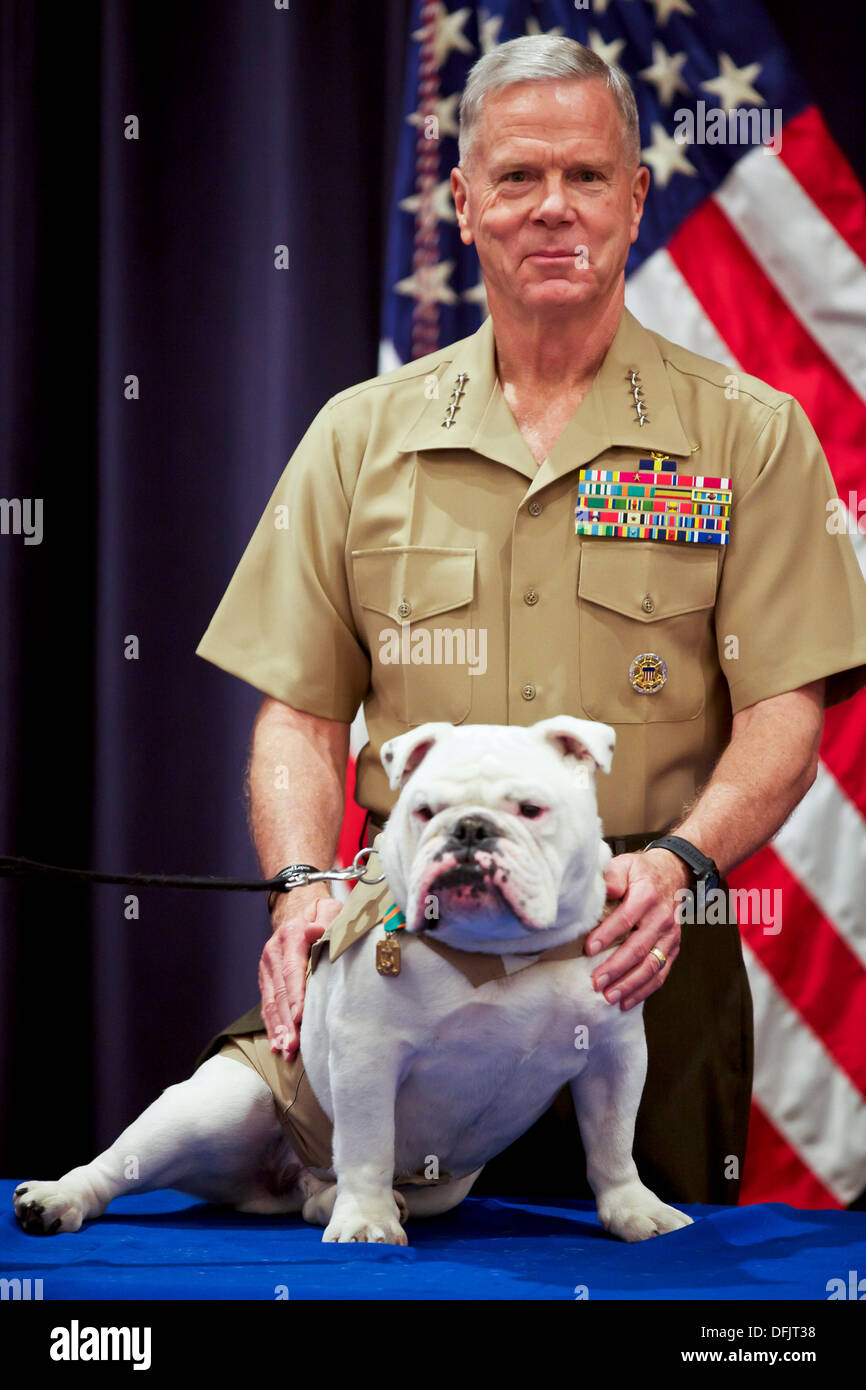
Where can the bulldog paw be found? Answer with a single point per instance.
(46, 1208)
(376, 1222)
(634, 1213)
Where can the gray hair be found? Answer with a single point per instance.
(538, 58)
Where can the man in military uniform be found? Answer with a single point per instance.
(579, 498)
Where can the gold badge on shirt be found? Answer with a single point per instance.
(647, 673)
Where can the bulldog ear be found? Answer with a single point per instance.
(583, 739)
(401, 755)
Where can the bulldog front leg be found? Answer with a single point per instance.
(606, 1099)
(365, 1078)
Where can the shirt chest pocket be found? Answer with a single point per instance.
(417, 605)
(647, 637)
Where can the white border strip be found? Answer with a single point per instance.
(812, 267)
(663, 300)
(659, 295)
(807, 1097)
(823, 844)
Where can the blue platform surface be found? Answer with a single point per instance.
(164, 1245)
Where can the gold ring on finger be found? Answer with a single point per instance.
(660, 957)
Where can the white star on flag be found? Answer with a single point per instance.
(600, 6)
(664, 73)
(448, 33)
(446, 115)
(733, 84)
(533, 27)
(429, 284)
(477, 295)
(608, 51)
(666, 156)
(665, 8)
(488, 30)
(442, 203)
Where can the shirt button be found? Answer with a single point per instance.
(403, 609)
(647, 604)
(530, 597)
(528, 692)
(535, 508)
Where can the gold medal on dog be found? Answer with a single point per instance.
(388, 951)
(388, 956)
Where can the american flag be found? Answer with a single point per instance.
(756, 260)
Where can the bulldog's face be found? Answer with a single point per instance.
(495, 837)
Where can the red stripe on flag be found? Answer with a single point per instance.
(811, 963)
(771, 343)
(767, 339)
(774, 1172)
(821, 169)
(842, 749)
(353, 822)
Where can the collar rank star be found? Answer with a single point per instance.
(655, 503)
(388, 951)
(454, 401)
(636, 387)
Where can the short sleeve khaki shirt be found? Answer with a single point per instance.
(431, 571)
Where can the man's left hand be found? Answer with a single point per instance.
(646, 883)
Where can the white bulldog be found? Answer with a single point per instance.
(494, 848)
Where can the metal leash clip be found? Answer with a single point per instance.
(301, 874)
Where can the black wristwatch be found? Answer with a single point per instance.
(704, 869)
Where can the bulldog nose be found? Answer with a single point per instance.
(470, 833)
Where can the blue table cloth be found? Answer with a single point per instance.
(164, 1245)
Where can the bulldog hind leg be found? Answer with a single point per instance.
(439, 1197)
(606, 1098)
(215, 1136)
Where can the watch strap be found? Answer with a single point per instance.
(704, 869)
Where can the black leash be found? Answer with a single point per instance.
(12, 866)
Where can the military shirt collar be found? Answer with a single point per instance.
(471, 398)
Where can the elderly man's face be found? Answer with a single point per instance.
(548, 197)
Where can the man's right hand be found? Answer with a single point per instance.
(298, 919)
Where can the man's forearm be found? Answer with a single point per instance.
(297, 777)
(767, 768)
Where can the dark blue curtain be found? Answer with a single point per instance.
(153, 258)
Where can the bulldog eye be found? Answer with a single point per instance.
(529, 810)
(423, 812)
